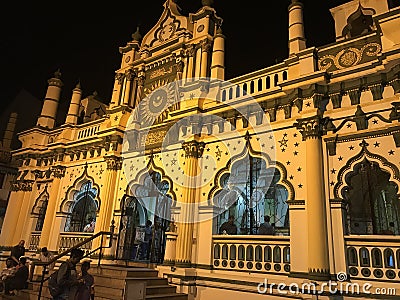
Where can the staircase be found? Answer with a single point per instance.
(113, 282)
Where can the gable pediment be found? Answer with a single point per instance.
(169, 27)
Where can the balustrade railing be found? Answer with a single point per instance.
(34, 241)
(374, 257)
(260, 83)
(252, 253)
(70, 239)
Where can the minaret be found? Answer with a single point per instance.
(297, 41)
(73, 112)
(218, 56)
(9, 133)
(49, 111)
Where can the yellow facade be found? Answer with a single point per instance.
(313, 142)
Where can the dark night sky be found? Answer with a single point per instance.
(82, 39)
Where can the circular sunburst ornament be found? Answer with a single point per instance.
(157, 103)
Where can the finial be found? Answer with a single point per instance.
(95, 94)
(137, 36)
(219, 30)
(207, 2)
(57, 74)
(78, 85)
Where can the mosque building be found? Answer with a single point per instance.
(311, 142)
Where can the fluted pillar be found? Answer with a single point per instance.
(297, 40)
(20, 190)
(318, 253)
(193, 151)
(114, 165)
(218, 56)
(129, 75)
(140, 90)
(73, 112)
(116, 94)
(49, 110)
(9, 132)
(205, 50)
(58, 173)
(191, 52)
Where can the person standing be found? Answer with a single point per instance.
(17, 251)
(86, 287)
(266, 228)
(229, 226)
(67, 278)
(148, 235)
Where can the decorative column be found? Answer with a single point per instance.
(140, 90)
(218, 56)
(190, 53)
(49, 110)
(205, 48)
(114, 164)
(58, 173)
(73, 112)
(170, 245)
(129, 75)
(184, 244)
(19, 190)
(116, 95)
(318, 253)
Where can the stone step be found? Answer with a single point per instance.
(160, 289)
(121, 271)
(173, 296)
(150, 281)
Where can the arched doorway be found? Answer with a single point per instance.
(150, 202)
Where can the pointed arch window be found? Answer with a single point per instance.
(373, 201)
(250, 192)
(40, 208)
(84, 208)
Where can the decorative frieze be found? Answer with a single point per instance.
(193, 149)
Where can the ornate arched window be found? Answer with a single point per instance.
(40, 208)
(250, 192)
(373, 202)
(83, 209)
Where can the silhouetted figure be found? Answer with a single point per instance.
(19, 280)
(229, 226)
(266, 228)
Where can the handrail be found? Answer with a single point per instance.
(62, 254)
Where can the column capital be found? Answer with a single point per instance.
(114, 163)
(206, 45)
(22, 185)
(119, 77)
(193, 149)
(313, 127)
(130, 74)
(58, 171)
